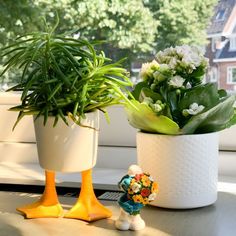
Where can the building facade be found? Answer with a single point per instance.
(221, 49)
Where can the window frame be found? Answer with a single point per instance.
(220, 15)
(230, 75)
(232, 44)
(213, 75)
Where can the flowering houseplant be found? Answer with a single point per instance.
(172, 98)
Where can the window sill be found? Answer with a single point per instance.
(217, 219)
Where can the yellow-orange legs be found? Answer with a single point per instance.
(48, 205)
(87, 207)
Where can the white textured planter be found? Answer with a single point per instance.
(184, 166)
(67, 148)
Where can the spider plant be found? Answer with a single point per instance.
(63, 76)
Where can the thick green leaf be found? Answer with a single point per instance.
(147, 92)
(137, 90)
(214, 119)
(232, 120)
(206, 95)
(142, 117)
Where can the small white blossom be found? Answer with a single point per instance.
(183, 58)
(152, 196)
(136, 187)
(173, 63)
(177, 81)
(147, 100)
(156, 107)
(194, 109)
(148, 68)
(162, 73)
(183, 50)
(143, 71)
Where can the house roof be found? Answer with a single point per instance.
(225, 53)
(220, 20)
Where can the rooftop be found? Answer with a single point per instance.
(222, 14)
(225, 52)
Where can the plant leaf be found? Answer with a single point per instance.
(143, 118)
(206, 95)
(214, 119)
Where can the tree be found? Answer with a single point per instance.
(130, 28)
(126, 26)
(181, 21)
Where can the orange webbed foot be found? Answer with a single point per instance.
(87, 207)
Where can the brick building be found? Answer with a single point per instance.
(221, 49)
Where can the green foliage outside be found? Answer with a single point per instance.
(131, 28)
(181, 21)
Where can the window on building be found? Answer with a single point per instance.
(220, 16)
(213, 74)
(231, 75)
(232, 46)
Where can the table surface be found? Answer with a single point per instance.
(214, 220)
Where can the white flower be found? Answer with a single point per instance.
(173, 63)
(191, 56)
(152, 196)
(148, 68)
(183, 50)
(194, 109)
(147, 100)
(136, 187)
(156, 107)
(177, 81)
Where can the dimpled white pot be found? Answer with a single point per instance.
(184, 166)
(67, 148)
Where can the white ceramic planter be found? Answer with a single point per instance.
(185, 167)
(67, 148)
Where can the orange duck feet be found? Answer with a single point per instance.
(87, 207)
(48, 205)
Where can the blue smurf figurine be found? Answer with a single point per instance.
(139, 189)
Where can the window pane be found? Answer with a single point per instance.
(234, 75)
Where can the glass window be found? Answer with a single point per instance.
(232, 46)
(213, 74)
(231, 75)
(220, 16)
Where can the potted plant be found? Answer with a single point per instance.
(178, 117)
(64, 82)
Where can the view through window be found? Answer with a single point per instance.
(131, 29)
